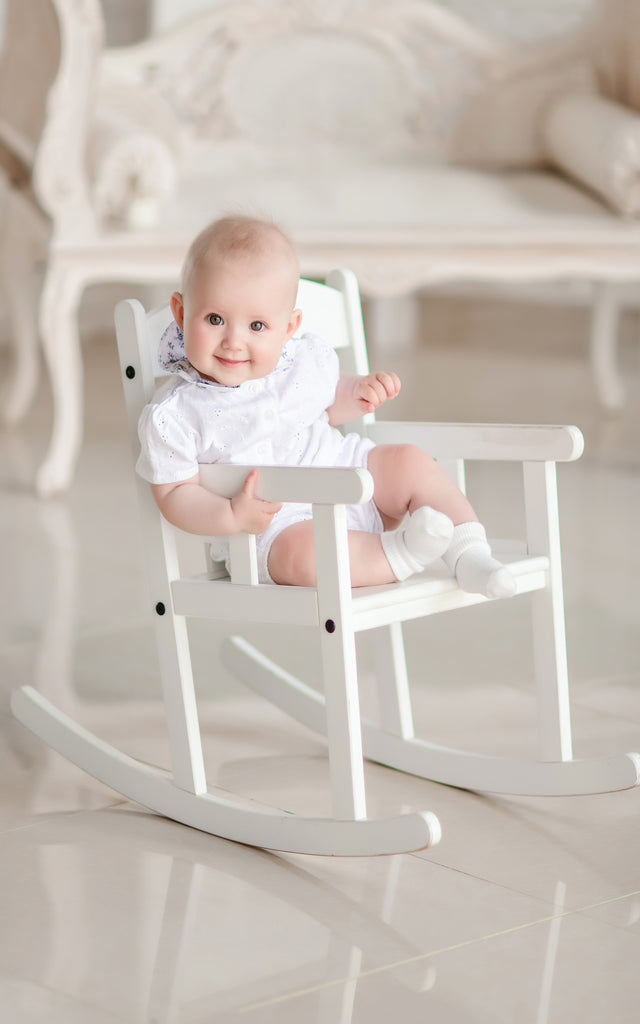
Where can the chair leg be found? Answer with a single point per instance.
(604, 347)
(174, 658)
(392, 680)
(61, 346)
(17, 273)
(393, 322)
(338, 648)
(549, 641)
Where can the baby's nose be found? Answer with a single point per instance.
(232, 338)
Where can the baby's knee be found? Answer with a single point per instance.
(405, 460)
(292, 559)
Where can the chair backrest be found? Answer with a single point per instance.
(331, 310)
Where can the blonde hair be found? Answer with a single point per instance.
(236, 237)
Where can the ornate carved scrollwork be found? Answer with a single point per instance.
(59, 172)
(436, 56)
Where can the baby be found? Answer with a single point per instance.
(248, 388)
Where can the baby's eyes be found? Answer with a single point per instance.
(216, 321)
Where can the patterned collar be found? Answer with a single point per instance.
(173, 358)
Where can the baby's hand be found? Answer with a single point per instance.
(253, 515)
(376, 388)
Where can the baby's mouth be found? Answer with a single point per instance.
(231, 362)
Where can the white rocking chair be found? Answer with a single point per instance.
(337, 613)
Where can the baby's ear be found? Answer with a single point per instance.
(177, 308)
(294, 322)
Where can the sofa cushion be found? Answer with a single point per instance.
(597, 142)
(362, 202)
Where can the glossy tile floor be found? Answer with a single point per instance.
(527, 912)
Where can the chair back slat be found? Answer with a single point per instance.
(323, 313)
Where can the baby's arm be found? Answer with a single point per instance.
(357, 395)
(191, 507)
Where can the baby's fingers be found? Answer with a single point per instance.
(378, 388)
(390, 384)
(249, 491)
(253, 514)
(248, 488)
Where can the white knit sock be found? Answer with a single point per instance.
(476, 570)
(423, 539)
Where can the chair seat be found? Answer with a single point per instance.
(436, 590)
(426, 593)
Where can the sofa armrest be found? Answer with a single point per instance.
(596, 142)
(132, 171)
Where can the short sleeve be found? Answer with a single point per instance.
(168, 450)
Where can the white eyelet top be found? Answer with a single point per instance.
(280, 419)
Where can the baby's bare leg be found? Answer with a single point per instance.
(406, 479)
(292, 558)
(442, 523)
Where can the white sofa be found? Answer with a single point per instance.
(406, 145)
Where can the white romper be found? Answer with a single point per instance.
(280, 419)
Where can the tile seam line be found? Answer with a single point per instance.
(435, 952)
(45, 816)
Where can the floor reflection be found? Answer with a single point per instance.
(175, 891)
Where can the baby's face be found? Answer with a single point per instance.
(236, 318)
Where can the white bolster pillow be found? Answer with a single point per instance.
(132, 171)
(597, 142)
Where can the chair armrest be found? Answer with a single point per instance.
(308, 484)
(596, 142)
(488, 441)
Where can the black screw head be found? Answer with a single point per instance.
(330, 626)
(160, 608)
(130, 372)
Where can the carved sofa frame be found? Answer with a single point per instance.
(407, 145)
